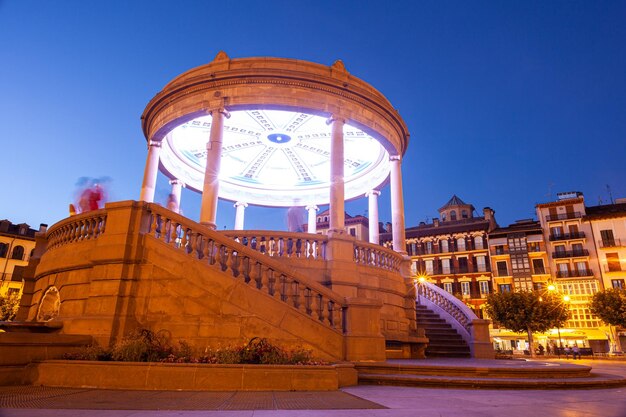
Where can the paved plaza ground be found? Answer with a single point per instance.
(371, 401)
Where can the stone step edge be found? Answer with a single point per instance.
(478, 372)
(598, 381)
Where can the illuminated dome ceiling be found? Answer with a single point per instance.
(274, 157)
(276, 143)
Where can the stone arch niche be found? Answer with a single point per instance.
(275, 121)
(49, 305)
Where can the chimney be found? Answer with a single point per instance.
(388, 227)
(43, 227)
(490, 216)
(436, 221)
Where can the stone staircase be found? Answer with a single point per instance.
(444, 341)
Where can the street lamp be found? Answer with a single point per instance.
(419, 280)
(552, 288)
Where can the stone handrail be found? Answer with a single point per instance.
(221, 252)
(375, 255)
(282, 244)
(451, 307)
(77, 228)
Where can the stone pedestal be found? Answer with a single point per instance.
(364, 340)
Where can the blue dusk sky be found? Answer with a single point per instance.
(507, 102)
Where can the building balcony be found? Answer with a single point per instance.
(567, 236)
(570, 254)
(563, 216)
(541, 271)
(574, 273)
(611, 243)
(500, 274)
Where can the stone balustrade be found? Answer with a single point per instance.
(473, 330)
(77, 228)
(378, 256)
(250, 263)
(282, 244)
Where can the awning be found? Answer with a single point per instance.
(589, 334)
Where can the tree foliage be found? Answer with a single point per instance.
(610, 306)
(9, 305)
(527, 311)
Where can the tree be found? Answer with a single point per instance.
(527, 311)
(610, 306)
(9, 305)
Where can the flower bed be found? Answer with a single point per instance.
(192, 376)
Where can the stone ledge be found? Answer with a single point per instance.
(198, 377)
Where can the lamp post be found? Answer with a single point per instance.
(566, 299)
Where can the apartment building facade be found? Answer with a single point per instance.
(452, 251)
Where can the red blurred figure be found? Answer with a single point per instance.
(95, 195)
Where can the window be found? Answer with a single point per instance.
(503, 271)
(484, 287)
(445, 266)
(577, 249)
(443, 217)
(18, 253)
(573, 230)
(4, 248)
(612, 261)
(465, 289)
(480, 264)
(352, 231)
(460, 244)
(429, 247)
(429, 266)
(556, 231)
(505, 287)
(462, 265)
(534, 247)
(538, 267)
(13, 291)
(448, 287)
(500, 250)
(444, 246)
(464, 214)
(582, 268)
(452, 215)
(560, 249)
(618, 283)
(607, 238)
(478, 242)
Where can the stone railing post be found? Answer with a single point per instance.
(481, 346)
(41, 243)
(341, 270)
(363, 338)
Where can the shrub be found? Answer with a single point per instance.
(146, 346)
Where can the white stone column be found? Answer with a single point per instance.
(177, 190)
(210, 189)
(337, 191)
(240, 208)
(150, 173)
(372, 208)
(312, 224)
(397, 205)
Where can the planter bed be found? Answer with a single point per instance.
(191, 377)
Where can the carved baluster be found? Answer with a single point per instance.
(302, 298)
(265, 279)
(253, 274)
(324, 311)
(232, 261)
(315, 306)
(208, 250)
(279, 282)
